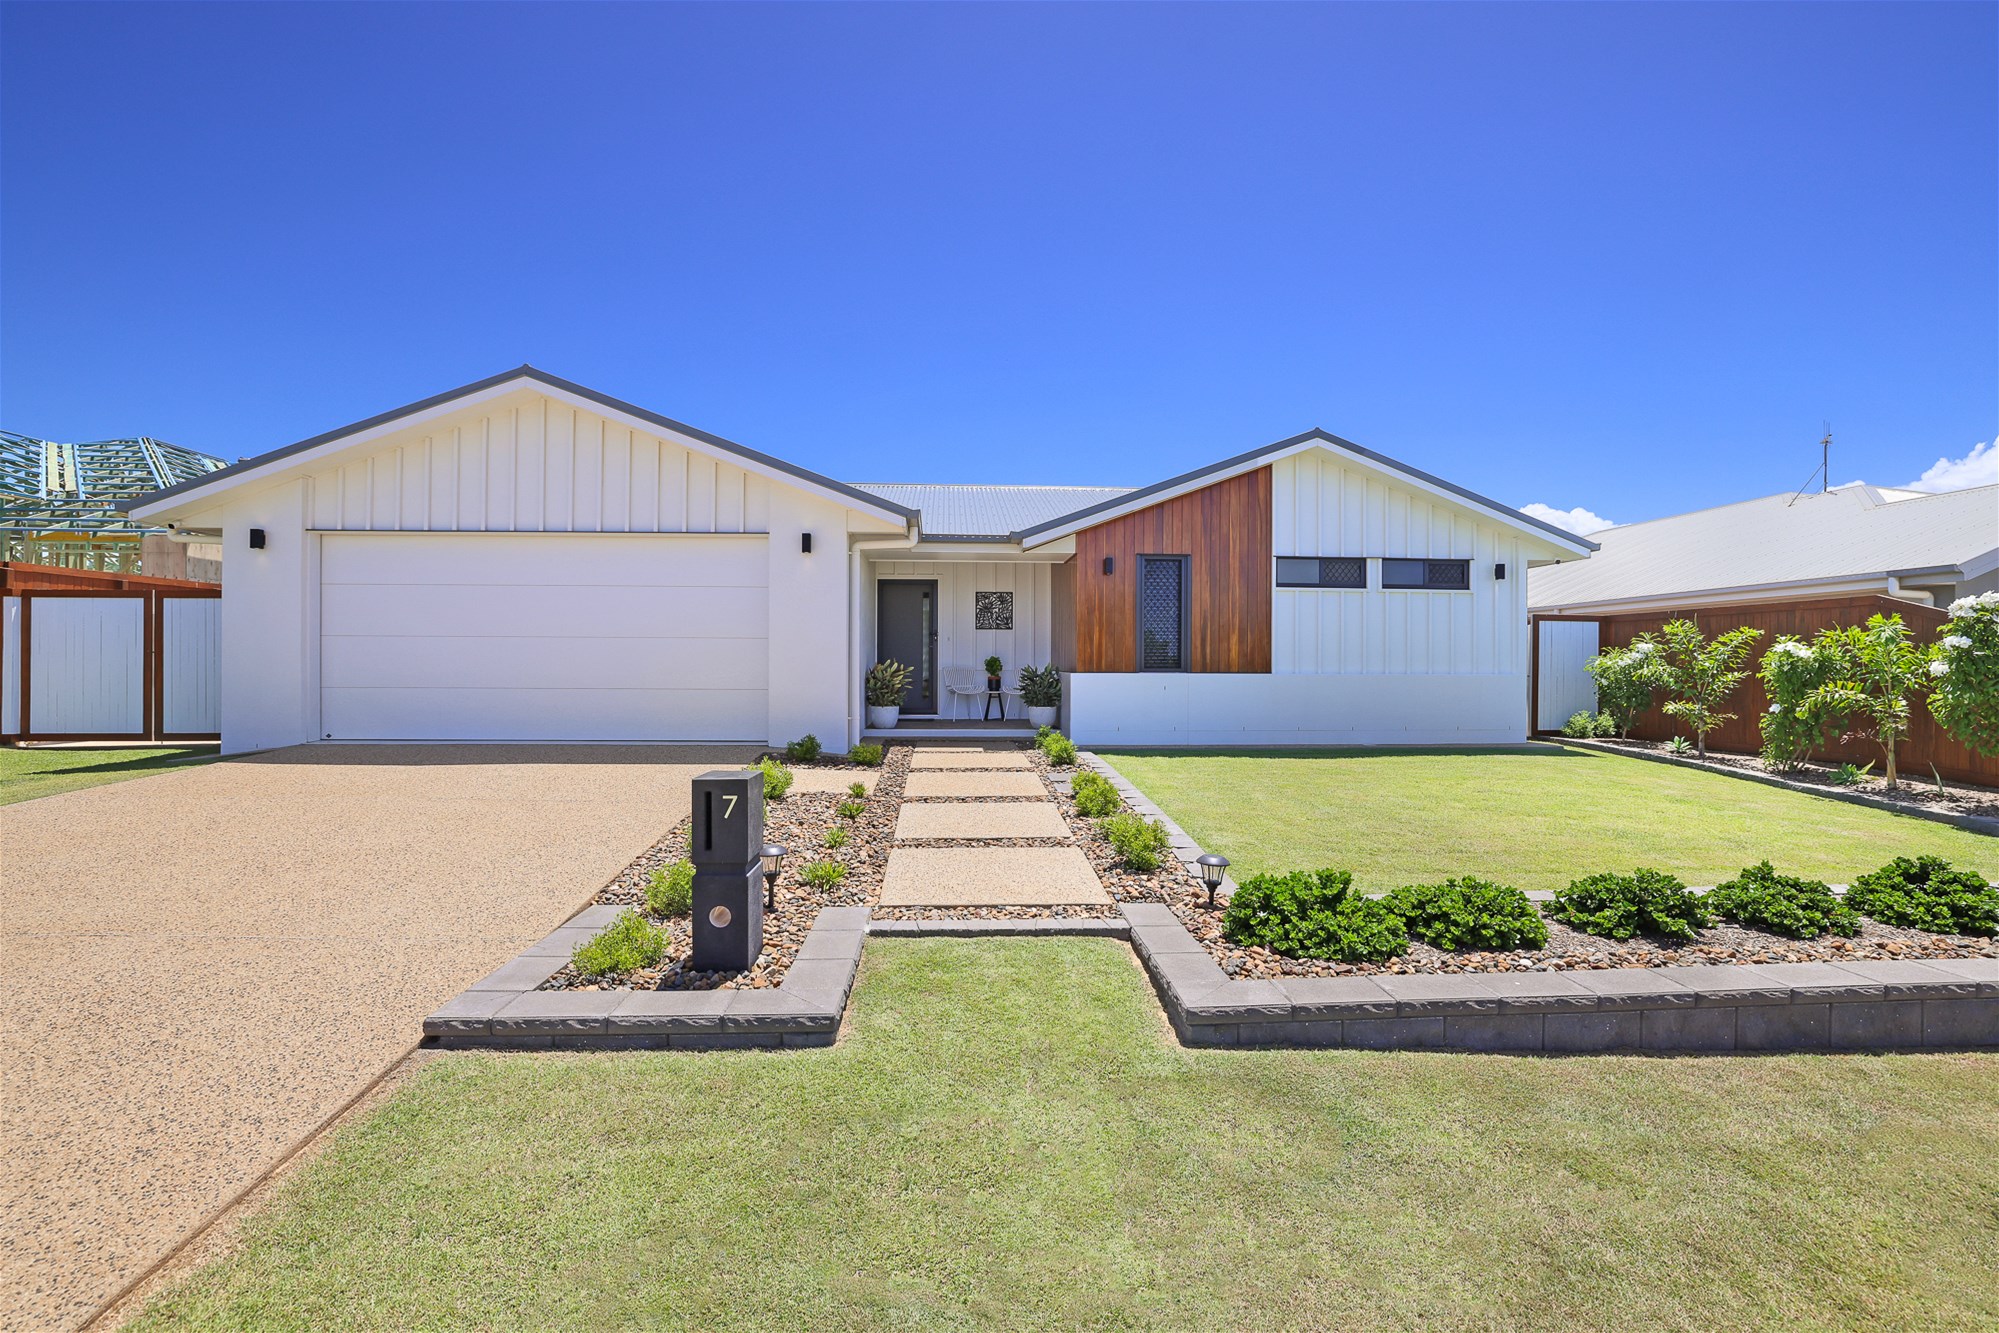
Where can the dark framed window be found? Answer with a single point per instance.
(1436, 575)
(1162, 613)
(1307, 571)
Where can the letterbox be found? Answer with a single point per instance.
(727, 850)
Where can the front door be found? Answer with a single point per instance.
(906, 632)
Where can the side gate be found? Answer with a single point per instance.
(127, 665)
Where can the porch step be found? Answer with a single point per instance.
(945, 732)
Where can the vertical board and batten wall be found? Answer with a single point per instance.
(190, 666)
(1563, 686)
(86, 667)
(10, 666)
(960, 645)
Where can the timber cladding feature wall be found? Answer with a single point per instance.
(1224, 530)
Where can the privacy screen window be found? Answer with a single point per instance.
(1347, 571)
(1162, 613)
(1437, 575)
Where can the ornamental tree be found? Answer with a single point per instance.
(1700, 675)
(1880, 667)
(1964, 673)
(1791, 671)
(1625, 681)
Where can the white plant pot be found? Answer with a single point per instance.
(1043, 717)
(884, 719)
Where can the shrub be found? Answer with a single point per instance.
(1469, 913)
(850, 809)
(824, 874)
(1879, 667)
(1852, 775)
(777, 778)
(1095, 796)
(1964, 673)
(886, 684)
(836, 836)
(804, 750)
(670, 892)
(1791, 671)
(1587, 726)
(1680, 746)
(1625, 680)
(1700, 675)
(1927, 893)
(1040, 687)
(1645, 902)
(857, 790)
(1061, 751)
(1042, 733)
(1140, 842)
(1303, 915)
(1803, 909)
(867, 754)
(626, 945)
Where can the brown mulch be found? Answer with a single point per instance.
(799, 822)
(1916, 790)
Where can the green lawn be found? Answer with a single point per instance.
(1535, 817)
(1008, 1138)
(26, 774)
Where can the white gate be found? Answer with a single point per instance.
(1562, 687)
(128, 665)
(190, 662)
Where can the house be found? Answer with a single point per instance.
(527, 559)
(59, 506)
(1851, 541)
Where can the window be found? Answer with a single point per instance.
(1437, 575)
(1162, 613)
(1345, 571)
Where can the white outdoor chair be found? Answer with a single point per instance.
(964, 683)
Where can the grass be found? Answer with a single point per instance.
(1007, 1138)
(1535, 817)
(26, 774)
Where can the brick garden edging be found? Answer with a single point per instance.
(1935, 1004)
(503, 1010)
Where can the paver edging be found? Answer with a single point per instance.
(1115, 928)
(503, 1010)
(1935, 1004)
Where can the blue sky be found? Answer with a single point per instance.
(1621, 257)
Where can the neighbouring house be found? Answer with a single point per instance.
(59, 506)
(527, 559)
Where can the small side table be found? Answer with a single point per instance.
(992, 697)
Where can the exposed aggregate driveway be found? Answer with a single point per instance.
(200, 967)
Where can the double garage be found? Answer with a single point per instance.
(469, 636)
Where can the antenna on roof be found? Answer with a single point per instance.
(1823, 471)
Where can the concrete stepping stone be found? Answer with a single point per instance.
(927, 785)
(980, 819)
(968, 759)
(832, 779)
(989, 877)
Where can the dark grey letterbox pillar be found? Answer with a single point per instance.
(727, 851)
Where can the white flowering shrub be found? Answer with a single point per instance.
(1625, 679)
(1964, 673)
(1880, 668)
(1699, 675)
(1791, 672)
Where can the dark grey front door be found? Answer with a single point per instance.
(906, 632)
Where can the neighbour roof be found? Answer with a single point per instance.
(1851, 532)
(995, 512)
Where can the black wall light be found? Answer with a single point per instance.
(256, 539)
(1109, 564)
(805, 543)
(1499, 571)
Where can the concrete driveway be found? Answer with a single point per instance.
(202, 966)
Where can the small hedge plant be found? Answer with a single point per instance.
(1800, 908)
(1645, 902)
(1468, 913)
(670, 891)
(1140, 842)
(777, 778)
(804, 750)
(1305, 915)
(850, 809)
(629, 943)
(867, 754)
(836, 836)
(1095, 797)
(1589, 726)
(1927, 893)
(1061, 751)
(823, 874)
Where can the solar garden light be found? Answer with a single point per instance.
(1213, 866)
(773, 857)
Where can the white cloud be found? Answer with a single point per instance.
(1579, 521)
(1980, 467)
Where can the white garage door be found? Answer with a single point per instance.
(542, 637)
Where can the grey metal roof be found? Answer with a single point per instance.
(995, 512)
(1854, 531)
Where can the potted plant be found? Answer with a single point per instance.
(994, 669)
(887, 683)
(1041, 691)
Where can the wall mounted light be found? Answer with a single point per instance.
(1499, 571)
(256, 539)
(1109, 564)
(805, 543)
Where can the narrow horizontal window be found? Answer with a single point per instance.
(1344, 571)
(1437, 575)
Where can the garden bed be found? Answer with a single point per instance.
(1916, 793)
(799, 821)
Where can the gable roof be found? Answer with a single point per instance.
(988, 513)
(264, 463)
(1853, 532)
(1146, 496)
